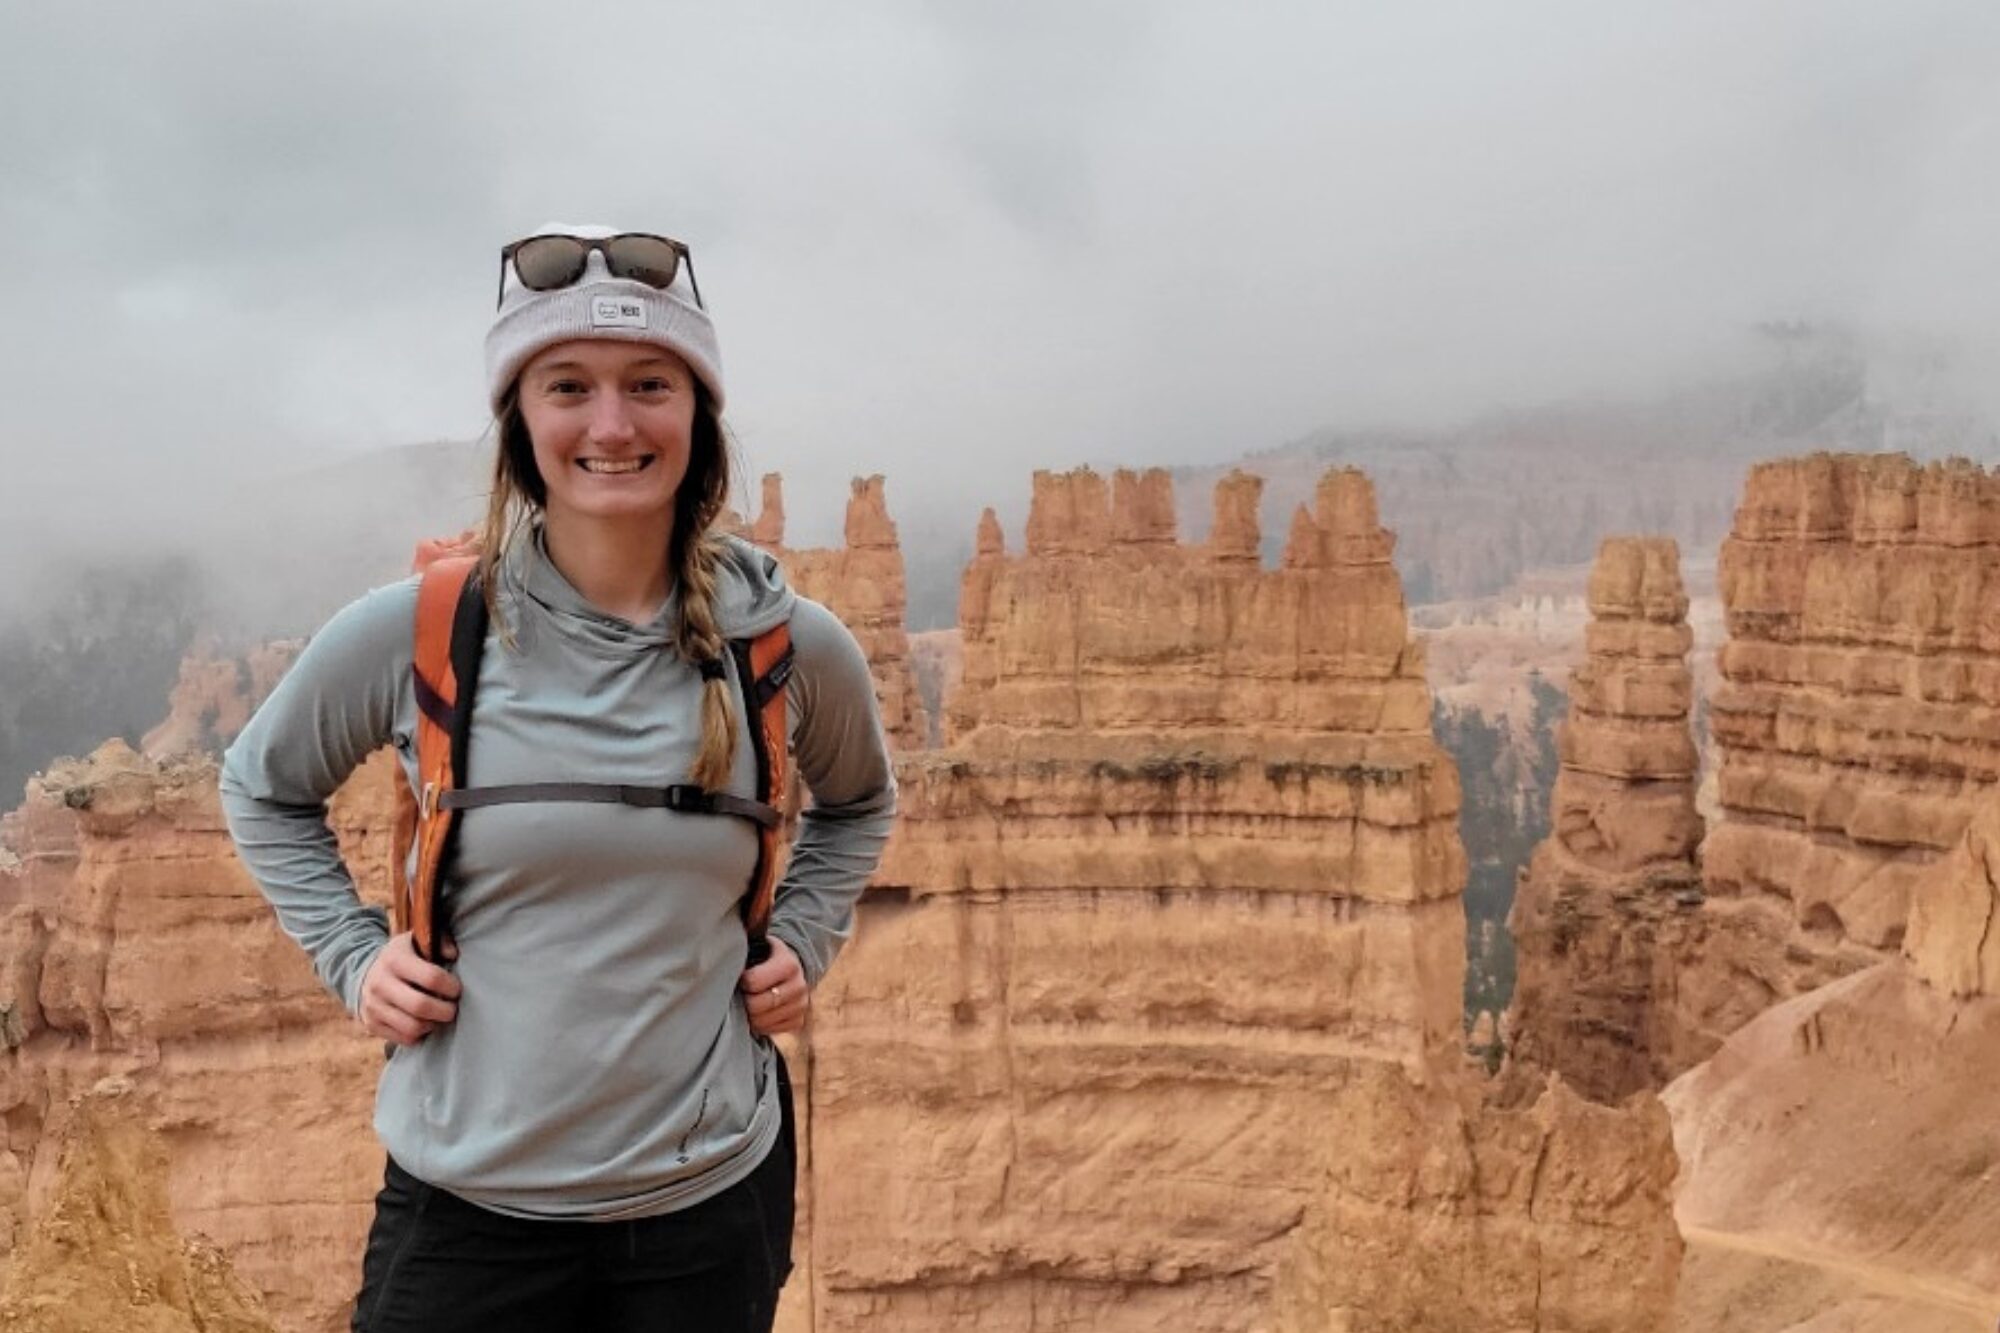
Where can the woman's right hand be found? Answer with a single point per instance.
(403, 997)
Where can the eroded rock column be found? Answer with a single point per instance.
(1158, 996)
(1857, 725)
(1619, 863)
(862, 582)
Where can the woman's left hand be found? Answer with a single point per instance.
(775, 994)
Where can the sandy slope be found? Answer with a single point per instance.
(1841, 1166)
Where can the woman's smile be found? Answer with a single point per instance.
(612, 467)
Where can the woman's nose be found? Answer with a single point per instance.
(611, 420)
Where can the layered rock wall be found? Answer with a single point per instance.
(1857, 724)
(1847, 1133)
(1150, 1020)
(863, 583)
(137, 946)
(1952, 944)
(1594, 917)
(1158, 991)
(105, 1253)
(1137, 715)
(1466, 1215)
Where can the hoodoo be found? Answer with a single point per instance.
(1857, 726)
(1596, 913)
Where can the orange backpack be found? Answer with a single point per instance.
(450, 637)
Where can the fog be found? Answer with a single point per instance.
(954, 243)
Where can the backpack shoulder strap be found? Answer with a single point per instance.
(450, 636)
(763, 665)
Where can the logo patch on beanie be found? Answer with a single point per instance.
(617, 312)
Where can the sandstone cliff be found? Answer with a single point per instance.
(104, 1253)
(215, 696)
(861, 582)
(1468, 1215)
(1846, 1136)
(1158, 994)
(1151, 1019)
(137, 946)
(1857, 725)
(1140, 715)
(1952, 943)
(1594, 919)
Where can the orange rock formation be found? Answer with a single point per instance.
(1847, 1135)
(1151, 1021)
(1951, 942)
(1158, 998)
(1838, 1158)
(105, 1253)
(1144, 716)
(862, 583)
(1858, 723)
(1593, 919)
(215, 697)
(137, 946)
(1450, 1212)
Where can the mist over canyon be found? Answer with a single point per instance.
(1379, 780)
(1166, 991)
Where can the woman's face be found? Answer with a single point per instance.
(612, 425)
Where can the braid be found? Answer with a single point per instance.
(700, 641)
(697, 560)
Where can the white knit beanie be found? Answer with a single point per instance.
(598, 306)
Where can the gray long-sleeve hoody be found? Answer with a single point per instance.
(601, 1065)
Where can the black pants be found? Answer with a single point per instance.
(438, 1264)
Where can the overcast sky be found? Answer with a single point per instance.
(969, 238)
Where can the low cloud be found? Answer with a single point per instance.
(244, 239)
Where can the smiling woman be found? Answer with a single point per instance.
(586, 1123)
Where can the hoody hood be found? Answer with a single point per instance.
(751, 596)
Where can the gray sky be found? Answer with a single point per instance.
(954, 242)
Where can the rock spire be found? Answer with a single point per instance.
(1620, 858)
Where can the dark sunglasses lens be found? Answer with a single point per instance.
(548, 262)
(646, 259)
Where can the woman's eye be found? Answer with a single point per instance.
(566, 386)
(654, 386)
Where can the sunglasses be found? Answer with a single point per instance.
(545, 263)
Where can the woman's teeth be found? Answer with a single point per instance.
(607, 465)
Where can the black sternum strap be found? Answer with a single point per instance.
(686, 799)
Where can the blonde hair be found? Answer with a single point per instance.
(694, 555)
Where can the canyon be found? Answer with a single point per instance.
(1154, 1013)
(1854, 736)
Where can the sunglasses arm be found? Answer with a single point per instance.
(687, 257)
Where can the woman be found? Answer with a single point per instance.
(586, 1127)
